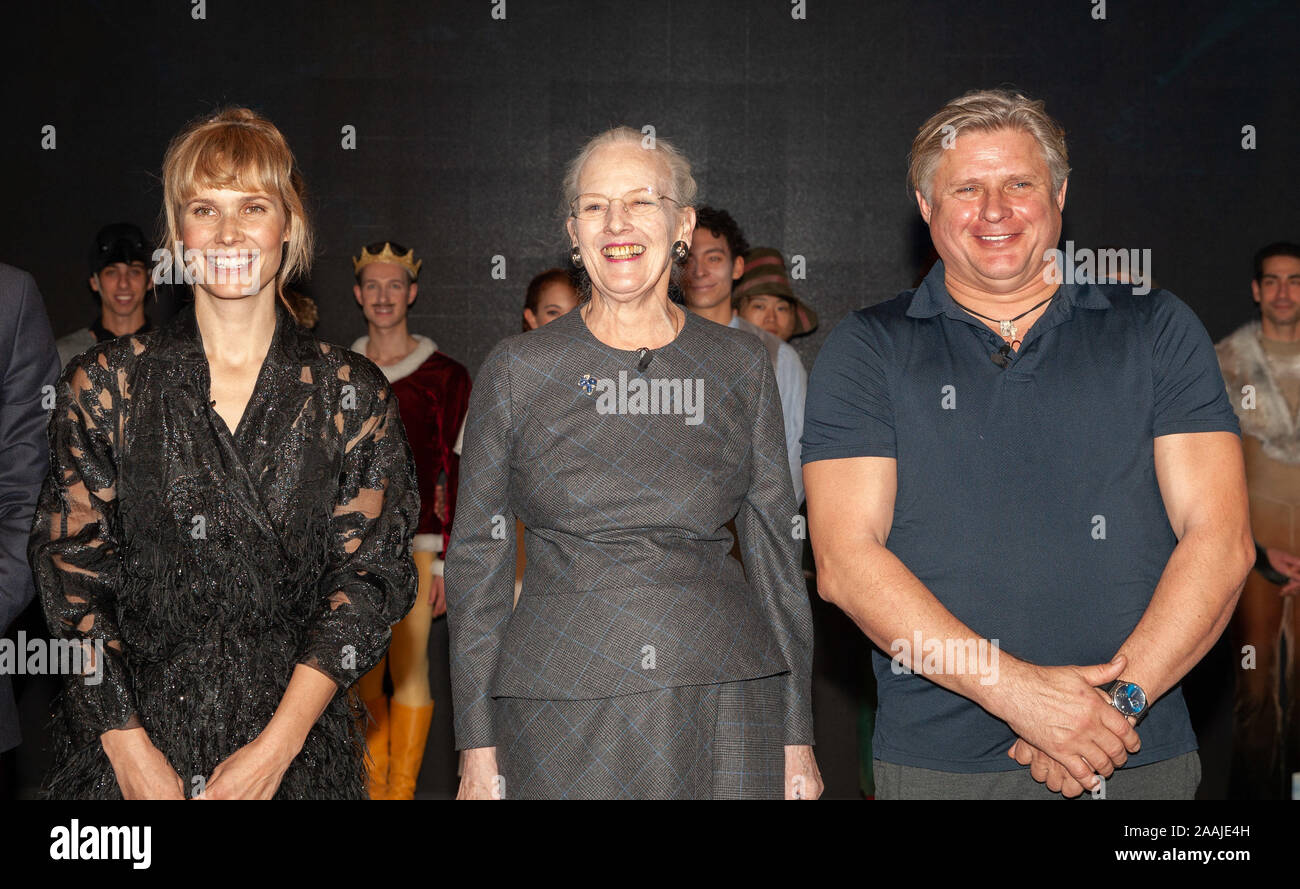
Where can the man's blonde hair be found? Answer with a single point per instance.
(985, 111)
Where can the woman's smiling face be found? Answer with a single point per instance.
(628, 255)
(240, 236)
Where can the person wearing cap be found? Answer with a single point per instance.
(763, 296)
(715, 264)
(119, 274)
(433, 395)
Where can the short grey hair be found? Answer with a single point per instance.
(986, 111)
(681, 183)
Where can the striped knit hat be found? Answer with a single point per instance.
(765, 275)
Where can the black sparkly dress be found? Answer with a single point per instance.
(206, 565)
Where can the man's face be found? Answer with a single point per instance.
(384, 293)
(121, 287)
(992, 213)
(1278, 290)
(710, 269)
(772, 313)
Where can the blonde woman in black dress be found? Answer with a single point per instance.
(226, 526)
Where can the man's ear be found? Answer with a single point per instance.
(923, 205)
(94, 283)
(531, 317)
(1254, 289)
(356, 291)
(1060, 197)
(737, 268)
(415, 288)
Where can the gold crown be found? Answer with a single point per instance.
(406, 261)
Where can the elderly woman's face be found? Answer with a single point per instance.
(628, 255)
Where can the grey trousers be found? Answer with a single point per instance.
(1175, 778)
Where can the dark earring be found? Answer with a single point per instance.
(576, 256)
(680, 251)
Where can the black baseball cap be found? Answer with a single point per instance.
(119, 242)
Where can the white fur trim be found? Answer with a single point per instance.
(1242, 359)
(427, 543)
(408, 365)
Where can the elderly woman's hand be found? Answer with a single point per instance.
(802, 779)
(478, 775)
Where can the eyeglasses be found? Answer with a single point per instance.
(637, 202)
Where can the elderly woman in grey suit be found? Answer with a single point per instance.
(640, 660)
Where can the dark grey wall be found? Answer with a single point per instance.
(799, 127)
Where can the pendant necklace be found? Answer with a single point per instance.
(1008, 327)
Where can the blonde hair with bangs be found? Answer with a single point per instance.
(240, 150)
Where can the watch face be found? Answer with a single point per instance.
(1130, 698)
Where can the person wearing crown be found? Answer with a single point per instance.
(432, 394)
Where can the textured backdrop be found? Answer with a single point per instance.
(799, 126)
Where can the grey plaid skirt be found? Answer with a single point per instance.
(722, 741)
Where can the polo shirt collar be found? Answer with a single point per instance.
(932, 297)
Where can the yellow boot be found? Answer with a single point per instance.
(410, 731)
(377, 740)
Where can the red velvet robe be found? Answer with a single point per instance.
(432, 395)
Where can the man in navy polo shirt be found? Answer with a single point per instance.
(1029, 494)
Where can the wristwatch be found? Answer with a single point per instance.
(1128, 698)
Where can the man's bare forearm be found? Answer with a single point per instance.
(890, 603)
(1191, 607)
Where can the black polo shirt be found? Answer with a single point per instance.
(1027, 496)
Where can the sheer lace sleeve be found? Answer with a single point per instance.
(370, 582)
(74, 546)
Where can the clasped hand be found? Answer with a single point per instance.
(1068, 731)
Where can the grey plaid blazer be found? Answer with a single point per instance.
(629, 586)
